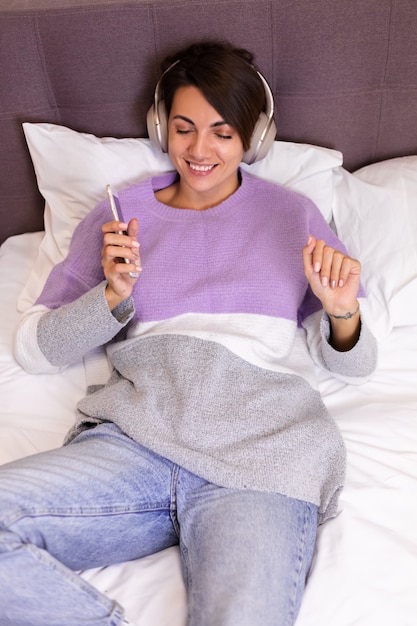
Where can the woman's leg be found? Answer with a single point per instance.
(100, 500)
(246, 554)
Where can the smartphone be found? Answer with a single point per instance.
(117, 215)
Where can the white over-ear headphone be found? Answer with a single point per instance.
(262, 137)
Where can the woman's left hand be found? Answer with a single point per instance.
(334, 277)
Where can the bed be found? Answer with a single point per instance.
(77, 78)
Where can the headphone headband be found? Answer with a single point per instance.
(262, 137)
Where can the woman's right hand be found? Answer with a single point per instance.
(116, 248)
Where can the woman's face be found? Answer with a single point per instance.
(205, 150)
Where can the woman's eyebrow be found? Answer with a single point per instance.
(187, 119)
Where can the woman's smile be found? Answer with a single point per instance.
(201, 169)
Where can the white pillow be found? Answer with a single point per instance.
(304, 168)
(375, 214)
(72, 170)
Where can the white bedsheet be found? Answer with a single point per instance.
(365, 567)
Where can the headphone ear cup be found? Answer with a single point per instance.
(150, 123)
(157, 124)
(259, 145)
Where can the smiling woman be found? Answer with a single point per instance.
(205, 151)
(213, 99)
(210, 433)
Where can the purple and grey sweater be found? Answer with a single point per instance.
(210, 366)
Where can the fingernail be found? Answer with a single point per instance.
(324, 281)
(135, 244)
(341, 283)
(333, 285)
(317, 267)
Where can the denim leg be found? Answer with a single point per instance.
(246, 554)
(100, 500)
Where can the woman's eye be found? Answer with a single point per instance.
(182, 131)
(224, 136)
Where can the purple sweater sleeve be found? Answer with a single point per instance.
(71, 316)
(81, 270)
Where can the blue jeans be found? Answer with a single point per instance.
(105, 499)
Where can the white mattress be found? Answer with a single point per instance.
(365, 567)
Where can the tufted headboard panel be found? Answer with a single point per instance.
(343, 73)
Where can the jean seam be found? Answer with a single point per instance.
(185, 561)
(173, 499)
(300, 562)
(19, 514)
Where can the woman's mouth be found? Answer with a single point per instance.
(198, 168)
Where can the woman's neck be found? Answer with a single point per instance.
(180, 196)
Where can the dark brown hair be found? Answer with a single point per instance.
(227, 78)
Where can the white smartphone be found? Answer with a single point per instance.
(117, 214)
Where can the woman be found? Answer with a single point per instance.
(210, 432)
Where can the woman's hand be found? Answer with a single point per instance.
(116, 248)
(334, 278)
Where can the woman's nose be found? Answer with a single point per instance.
(200, 145)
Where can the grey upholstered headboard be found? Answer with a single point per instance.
(343, 72)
